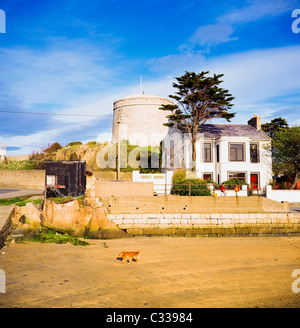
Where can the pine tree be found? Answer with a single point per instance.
(199, 99)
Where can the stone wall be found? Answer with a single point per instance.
(206, 225)
(193, 204)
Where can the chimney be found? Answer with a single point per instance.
(255, 122)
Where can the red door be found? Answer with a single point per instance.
(254, 181)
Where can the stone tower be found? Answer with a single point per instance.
(137, 118)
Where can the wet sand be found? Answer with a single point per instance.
(174, 272)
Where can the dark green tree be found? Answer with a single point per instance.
(199, 99)
(286, 153)
(273, 127)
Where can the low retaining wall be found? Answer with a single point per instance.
(208, 225)
(292, 196)
(35, 179)
(23, 179)
(123, 189)
(193, 204)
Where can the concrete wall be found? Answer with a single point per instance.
(109, 176)
(291, 196)
(217, 225)
(162, 182)
(200, 225)
(23, 179)
(35, 179)
(193, 204)
(123, 189)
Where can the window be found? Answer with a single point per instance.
(237, 176)
(254, 154)
(207, 153)
(207, 176)
(218, 153)
(236, 152)
(51, 180)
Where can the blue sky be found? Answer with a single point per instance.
(77, 57)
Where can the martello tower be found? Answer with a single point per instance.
(137, 118)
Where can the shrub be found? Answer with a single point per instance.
(74, 143)
(230, 184)
(183, 186)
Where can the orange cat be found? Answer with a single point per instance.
(127, 256)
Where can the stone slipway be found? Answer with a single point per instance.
(4, 222)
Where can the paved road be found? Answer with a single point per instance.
(11, 193)
(294, 209)
(5, 191)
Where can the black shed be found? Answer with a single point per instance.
(65, 178)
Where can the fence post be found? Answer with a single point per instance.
(189, 189)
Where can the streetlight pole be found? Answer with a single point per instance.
(119, 152)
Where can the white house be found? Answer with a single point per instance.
(2, 151)
(223, 152)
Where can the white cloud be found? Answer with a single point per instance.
(224, 28)
(256, 10)
(258, 79)
(176, 63)
(260, 75)
(212, 35)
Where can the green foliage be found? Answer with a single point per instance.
(20, 165)
(51, 236)
(62, 200)
(286, 153)
(132, 157)
(199, 99)
(230, 184)
(74, 143)
(272, 128)
(18, 201)
(179, 176)
(183, 186)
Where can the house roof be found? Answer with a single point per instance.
(216, 131)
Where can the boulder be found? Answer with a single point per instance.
(80, 220)
(27, 218)
(68, 217)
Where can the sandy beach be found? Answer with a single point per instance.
(174, 272)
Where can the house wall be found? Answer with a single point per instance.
(224, 166)
(2, 151)
(183, 150)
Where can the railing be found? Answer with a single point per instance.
(191, 189)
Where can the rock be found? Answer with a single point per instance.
(67, 217)
(80, 220)
(26, 218)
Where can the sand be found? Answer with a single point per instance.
(175, 272)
